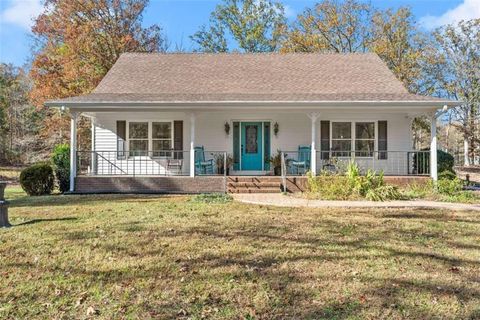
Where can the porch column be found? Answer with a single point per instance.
(192, 145)
(433, 147)
(466, 149)
(313, 158)
(93, 155)
(73, 150)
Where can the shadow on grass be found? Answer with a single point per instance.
(62, 200)
(33, 221)
(427, 216)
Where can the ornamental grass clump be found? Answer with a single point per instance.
(351, 186)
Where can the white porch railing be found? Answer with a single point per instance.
(215, 163)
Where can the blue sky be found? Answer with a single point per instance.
(181, 18)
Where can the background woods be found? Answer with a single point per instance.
(76, 42)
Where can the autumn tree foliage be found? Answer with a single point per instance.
(354, 26)
(252, 26)
(77, 42)
(331, 26)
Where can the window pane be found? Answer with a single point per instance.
(161, 145)
(138, 145)
(341, 145)
(251, 139)
(365, 130)
(161, 130)
(341, 130)
(138, 130)
(364, 148)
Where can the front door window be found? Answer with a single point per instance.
(252, 144)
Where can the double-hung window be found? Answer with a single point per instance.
(138, 138)
(364, 139)
(357, 137)
(162, 139)
(154, 136)
(341, 139)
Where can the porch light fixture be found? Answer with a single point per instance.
(275, 129)
(227, 128)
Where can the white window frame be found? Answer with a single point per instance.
(351, 139)
(162, 139)
(354, 138)
(134, 139)
(150, 138)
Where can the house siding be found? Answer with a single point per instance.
(294, 130)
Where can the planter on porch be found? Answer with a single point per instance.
(220, 163)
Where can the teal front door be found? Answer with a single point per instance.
(251, 147)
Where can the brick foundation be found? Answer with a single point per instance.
(149, 184)
(235, 184)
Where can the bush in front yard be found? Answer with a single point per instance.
(421, 162)
(449, 187)
(38, 179)
(447, 175)
(61, 165)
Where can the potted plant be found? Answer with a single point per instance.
(219, 162)
(276, 162)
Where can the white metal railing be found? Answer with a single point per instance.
(283, 170)
(401, 163)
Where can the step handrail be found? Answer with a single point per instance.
(111, 163)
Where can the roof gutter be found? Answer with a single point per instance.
(246, 104)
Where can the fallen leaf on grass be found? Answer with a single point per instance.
(91, 311)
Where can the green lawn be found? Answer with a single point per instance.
(114, 257)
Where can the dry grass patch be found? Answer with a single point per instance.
(169, 257)
(10, 174)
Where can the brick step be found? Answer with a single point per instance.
(254, 185)
(248, 190)
(254, 179)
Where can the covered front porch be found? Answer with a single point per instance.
(214, 143)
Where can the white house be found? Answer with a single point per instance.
(178, 117)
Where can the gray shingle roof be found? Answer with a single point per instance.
(298, 77)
